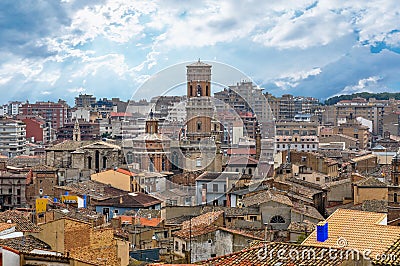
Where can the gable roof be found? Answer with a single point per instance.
(25, 243)
(261, 254)
(23, 224)
(210, 176)
(195, 231)
(266, 196)
(131, 200)
(242, 160)
(370, 182)
(361, 230)
(203, 220)
(101, 145)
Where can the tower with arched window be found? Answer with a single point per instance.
(199, 108)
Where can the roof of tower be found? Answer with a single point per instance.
(199, 63)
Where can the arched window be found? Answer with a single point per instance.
(175, 160)
(199, 90)
(129, 157)
(250, 171)
(395, 200)
(277, 219)
(163, 164)
(198, 126)
(207, 91)
(104, 162)
(89, 162)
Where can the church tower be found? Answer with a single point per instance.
(199, 108)
(396, 169)
(76, 135)
(152, 124)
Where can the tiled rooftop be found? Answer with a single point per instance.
(131, 200)
(203, 220)
(231, 211)
(22, 223)
(260, 256)
(242, 160)
(94, 189)
(209, 176)
(266, 196)
(25, 243)
(195, 231)
(370, 182)
(360, 230)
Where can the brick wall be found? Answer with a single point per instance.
(77, 234)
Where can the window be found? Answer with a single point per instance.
(215, 187)
(198, 126)
(183, 247)
(199, 90)
(129, 158)
(89, 162)
(198, 162)
(176, 246)
(116, 211)
(395, 200)
(277, 219)
(250, 171)
(104, 162)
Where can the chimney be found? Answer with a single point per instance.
(322, 231)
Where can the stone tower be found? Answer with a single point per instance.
(201, 146)
(396, 169)
(76, 136)
(199, 108)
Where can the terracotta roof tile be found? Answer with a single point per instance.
(25, 243)
(208, 218)
(266, 196)
(361, 231)
(370, 182)
(131, 200)
(267, 254)
(23, 224)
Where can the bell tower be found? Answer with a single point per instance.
(152, 124)
(199, 108)
(76, 134)
(198, 80)
(396, 169)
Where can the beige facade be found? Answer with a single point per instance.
(118, 178)
(354, 129)
(369, 189)
(84, 243)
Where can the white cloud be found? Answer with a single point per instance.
(292, 80)
(370, 84)
(112, 62)
(77, 90)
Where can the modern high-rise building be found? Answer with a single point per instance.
(360, 107)
(55, 114)
(84, 100)
(12, 137)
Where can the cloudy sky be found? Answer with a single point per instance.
(59, 48)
